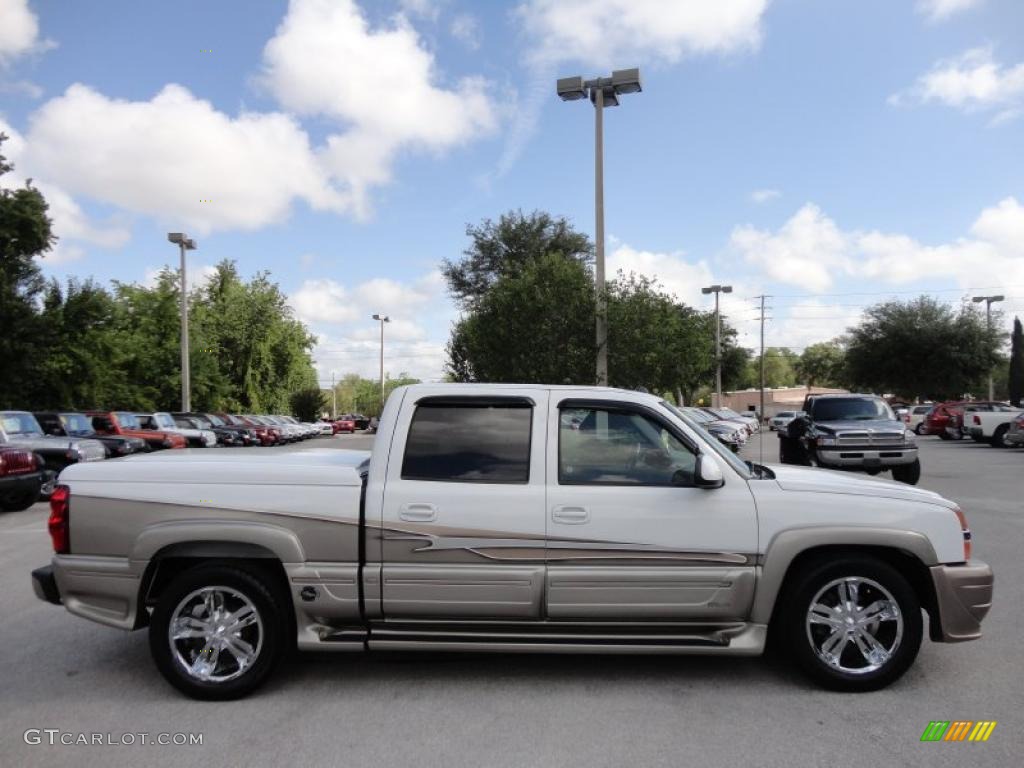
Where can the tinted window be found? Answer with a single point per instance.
(621, 448)
(469, 444)
(851, 408)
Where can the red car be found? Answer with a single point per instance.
(344, 424)
(21, 477)
(946, 419)
(126, 423)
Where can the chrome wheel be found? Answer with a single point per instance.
(854, 625)
(215, 634)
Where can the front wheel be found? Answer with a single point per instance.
(999, 437)
(217, 632)
(919, 429)
(853, 624)
(907, 473)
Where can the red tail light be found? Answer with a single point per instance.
(60, 535)
(977, 419)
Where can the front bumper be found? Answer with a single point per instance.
(44, 584)
(18, 484)
(873, 457)
(963, 597)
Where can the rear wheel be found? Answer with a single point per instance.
(853, 624)
(999, 437)
(944, 435)
(217, 632)
(907, 473)
(919, 429)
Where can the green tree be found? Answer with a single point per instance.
(821, 364)
(307, 404)
(1015, 379)
(25, 233)
(533, 326)
(505, 247)
(921, 349)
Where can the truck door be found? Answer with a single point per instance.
(630, 536)
(463, 510)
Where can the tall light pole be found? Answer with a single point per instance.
(603, 92)
(382, 319)
(989, 301)
(184, 243)
(717, 289)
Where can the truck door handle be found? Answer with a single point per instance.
(420, 513)
(570, 515)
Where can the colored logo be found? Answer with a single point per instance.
(958, 730)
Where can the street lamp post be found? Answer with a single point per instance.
(382, 319)
(184, 243)
(717, 289)
(989, 301)
(603, 92)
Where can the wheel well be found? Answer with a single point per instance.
(171, 561)
(915, 572)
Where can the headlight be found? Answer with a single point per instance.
(909, 436)
(826, 440)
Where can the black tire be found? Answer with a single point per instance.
(907, 473)
(944, 435)
(999, 437)
(268, 606)
(18, 502)
(798, 633)
(919, 429)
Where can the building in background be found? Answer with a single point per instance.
(775, 400)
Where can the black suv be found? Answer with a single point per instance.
(859, 433)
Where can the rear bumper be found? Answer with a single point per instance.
(44, 584)
(963, 596)
(854, 456)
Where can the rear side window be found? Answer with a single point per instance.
(469, 444)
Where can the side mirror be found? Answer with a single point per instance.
(708, 472)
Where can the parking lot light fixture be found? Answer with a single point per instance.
(989, 301)
(184, 243)
(603, 92)
(717, 289)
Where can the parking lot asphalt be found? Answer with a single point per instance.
(61, 672)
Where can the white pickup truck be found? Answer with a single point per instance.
(510, 518)
(991, 425)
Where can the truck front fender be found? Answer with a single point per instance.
(786, 546)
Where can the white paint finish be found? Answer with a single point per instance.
(803, 497)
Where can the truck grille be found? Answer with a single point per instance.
(870, 438)
(17, 462)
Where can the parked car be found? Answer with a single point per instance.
(916, 416)
(164, 422)
(126, 423)
(21, 478)
(19, 429)
(729, 433)
(263, 434)
(781, 419)
(79, 425)
(1015, 437)
(990, 426)
(361, 421)
(937, 421)
(227, 435)
(344, 424)
(646, 536)
(726, 414)
(372, 425)
(851, 432)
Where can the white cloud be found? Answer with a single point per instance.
(678, 276)
(382, 85)
(328, 301)
(810, 251)
(804, 252)
(177, 158)
(466, 29)
(19, 31)
(196, 275)
(608, 32)
(939, 10)
(323, 301)
(760, 196)
(428, 9)
(972, 81)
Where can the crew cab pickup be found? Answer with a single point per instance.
(990, 426)
(19, 429)
(851, 432)
(510, 518)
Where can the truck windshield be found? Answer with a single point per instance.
(209, 420)
(727, 456)
(128, 420)
(17, 423)
(163, 420)
(852, 409)
(76, 424)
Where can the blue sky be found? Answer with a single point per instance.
(827, 154)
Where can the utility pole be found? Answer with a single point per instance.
(717, 289)
(184, 243)
(761, 415)
(334, 399)
(989, 301)
(382, 319)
